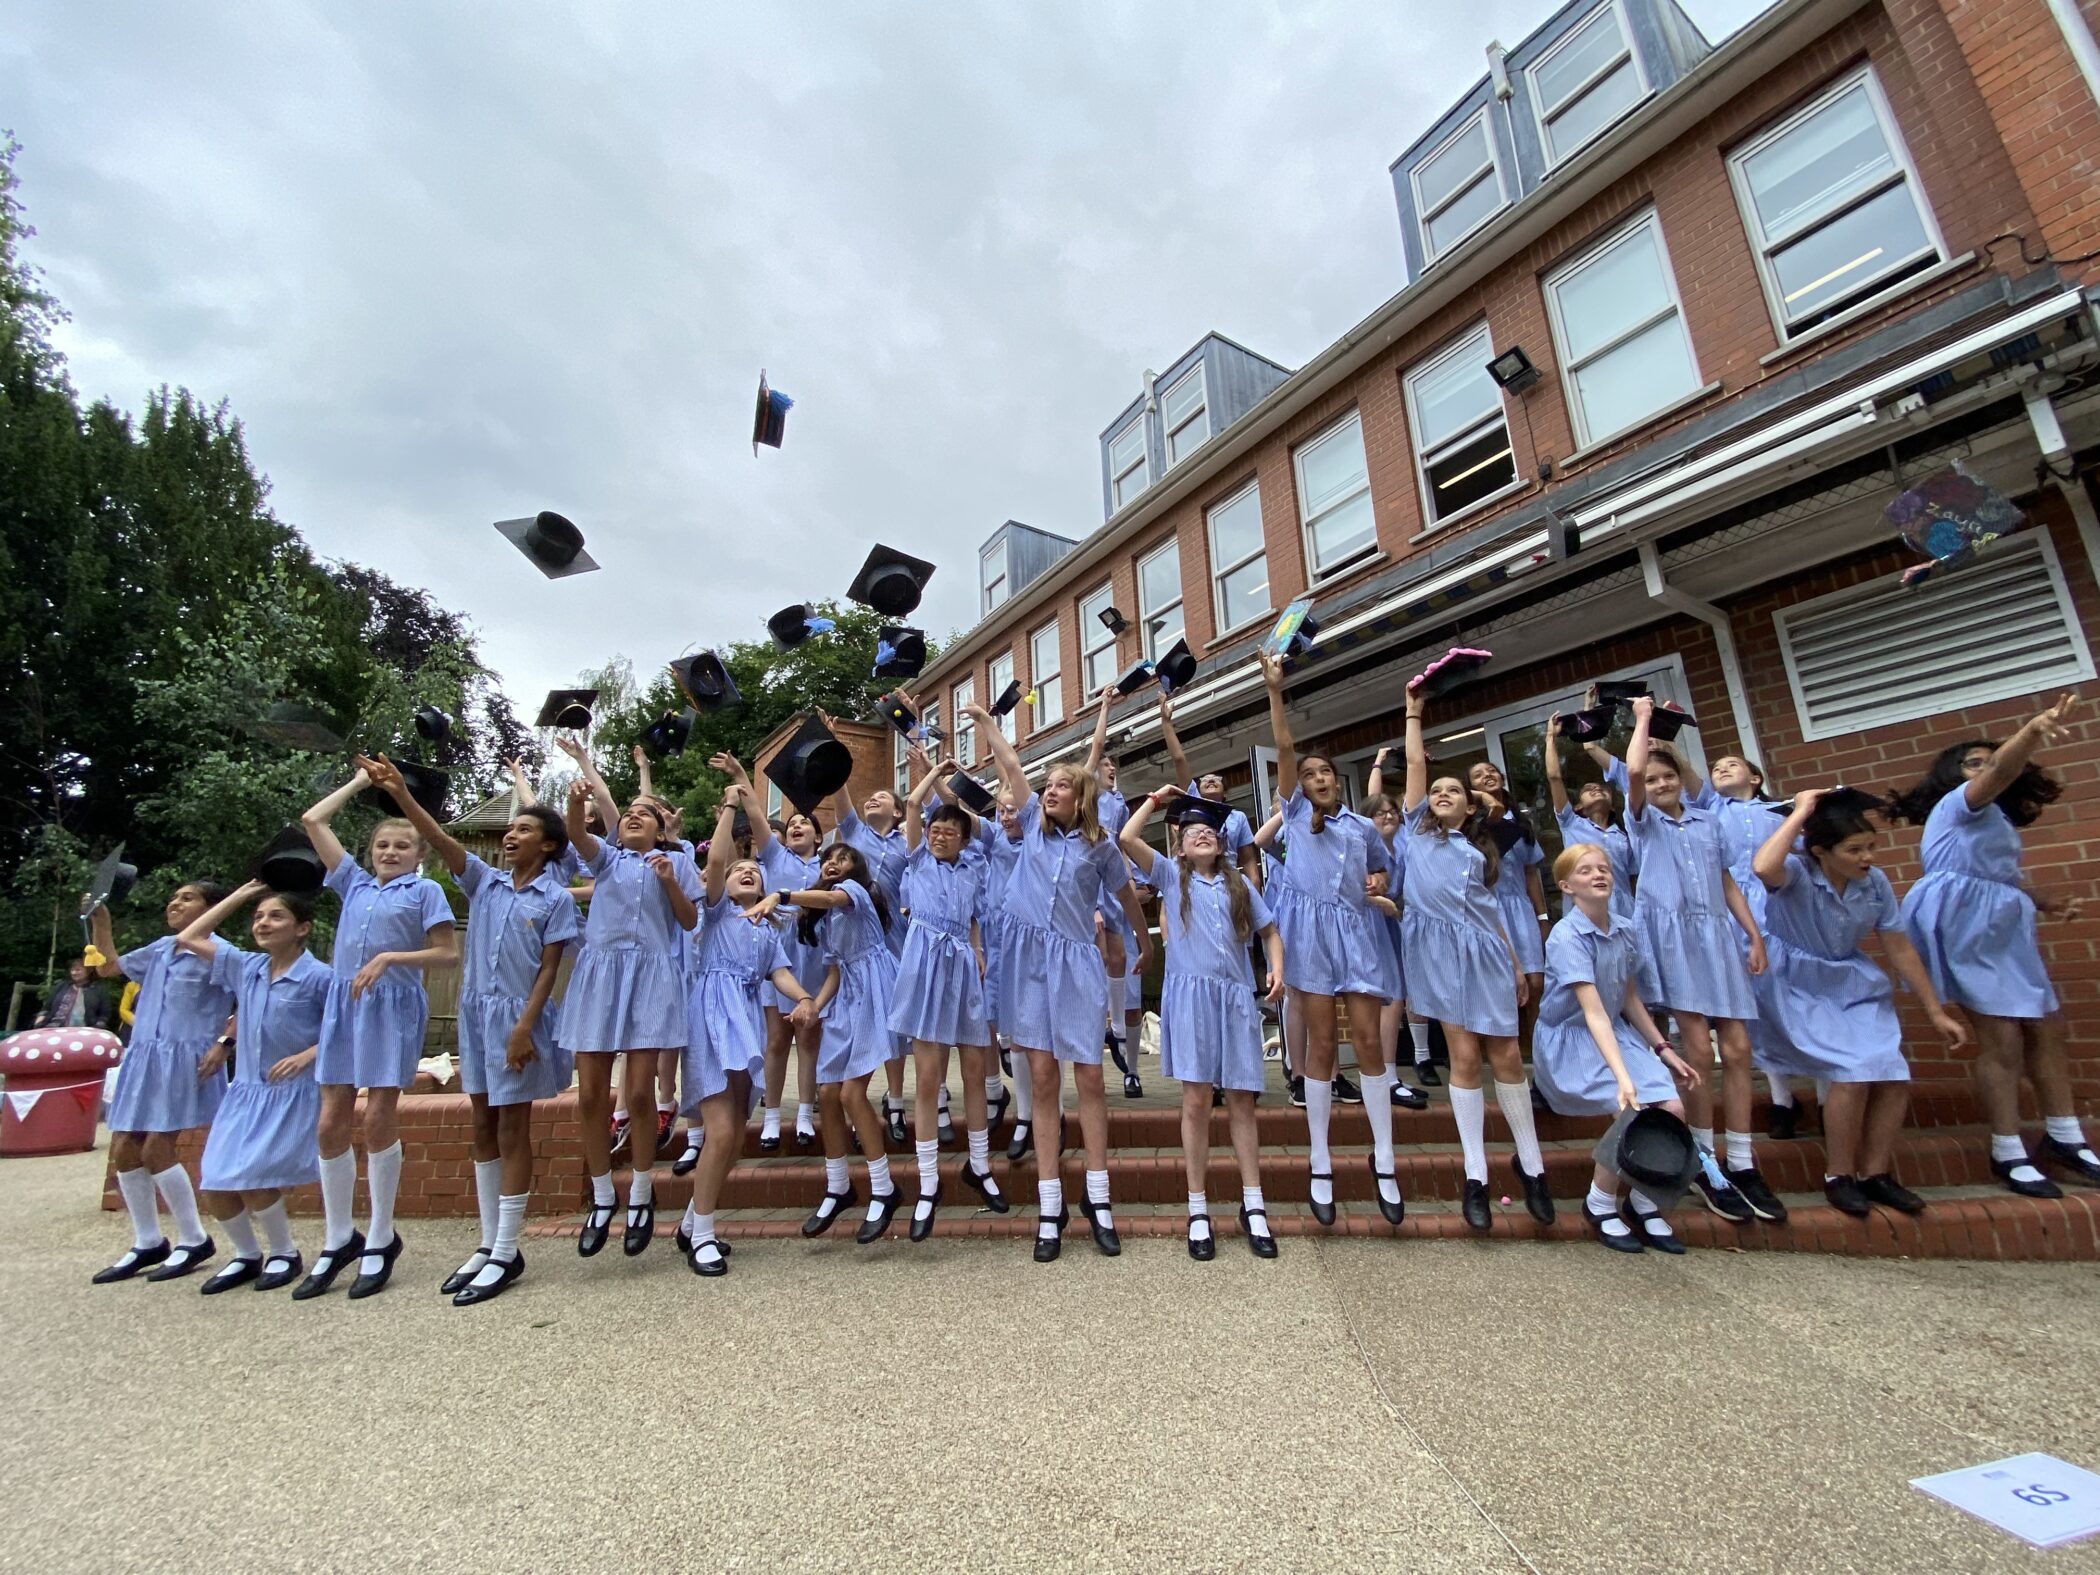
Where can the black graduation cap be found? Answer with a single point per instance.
(769, 425)
(1113, 621)
(890, 581)
(1586, 727)
(899, 652)
(427, 785)
(667, 735)
(1009, 697)
(973, 795)
(1620, 691)
(1176, 669)
(1209, 812)
(112, 879)
(811, 767)
(568, 709)
(1505, 831)
(793, 625)
(551, 541)
(1138, 675)
(1666, 722)
(299, 726)
(706, 682)
(1656, 1149)
(432, 724)
(898, 714)
(1448, 671)
(288, 862)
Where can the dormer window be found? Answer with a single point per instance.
(1585, 82)
(1185, 413)
(995, 578)
(1458, 187)
(1129, 466)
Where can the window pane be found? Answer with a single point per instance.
(1332, 466)
(1131, 486)
(1187, 439)
(1827, 267)
(1343, 532)
(1127, 448)
(1091, 630)
(997, 678)
(1235, 529)
(1595, 110)
(1100, 669)
(1587, 51)
(1454, 395)
(1049, 701)
(1183, 400)
(1450, 226)
(1610, 293)
(1162, 629)
(1044, 657)
(1244, 593)
(1472, 471)
(995, 593)
(1815, 166)
(1644, 374)
(1159, 579)
(1439, 177)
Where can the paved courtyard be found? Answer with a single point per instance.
(1427, 1406)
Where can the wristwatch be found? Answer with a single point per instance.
(224, 1041)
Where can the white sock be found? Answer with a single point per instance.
(1649, 1212)
(994, 1087)
(1319, 1113)
(240, 1230)
(1782, 1095)
(1199, 1217)
(981, 1150)
(2013, 1151)
(1739, 1154)
(1049, 1203)
(488, 1187)
(620, 1110)
(836, 1176)
(929, 1164)
(1378, 1105)
(137, 1187)
(879, 1183)
(703, 1228)
(277, 1230)
(510, 1222)
(382, 1182)
(667, 1107)
(1604, 1208)
(806, 1118)
(1469, 1110)
(602, 1194)
(1097, 1195)
(770, 1127)
(1257, 1210)
(890, 1105)
(2065, 1129)
(181, 1198)
(695, 1137)
(1704, 1137)
(338, 1196)
(641, 1186)
(942, 1108)
(1024, 1091)
(1515, 1100)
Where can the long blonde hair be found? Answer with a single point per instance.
(1086, 793)
(1237, 894)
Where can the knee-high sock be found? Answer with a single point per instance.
(338, 1195)
(488, 1187)
(277, 1230)
(510, 1220)
(137, 1187)
(1469, 1109)
(240, 1230)
(1378, 1105)
(181, 1199)
(382, 1181)
(929, 1152)
(1515, 1100)
(1782, 1095)
(1024, 1093)
(1319, 1113)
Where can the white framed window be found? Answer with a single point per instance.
(996, 679)
(1097, 642)
(773, 799)
(965, 730)
(1185, 413)
(1239, 560)
(1159, 597)
(1458, 187)
(1833, 205)
(1585, 82)
(1334, 496)
(1129, 466)
(1624, 350)
(993, 576)
(1461, 430)
(1046, 659)
(1879, 653)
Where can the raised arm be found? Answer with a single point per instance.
(316, 820)
(386, 776)
(1132, 837)
(1768, 864)
(601, 795)
(1417, 754)
(1375, 784)
(580, 837)
(1280, 727)
(1013, 780)
(641, 773)
(915, 807)
(1099, 745)
(1177, 757)
(2013, 755)
(521, 785)
(1555, 785)
(198, 937)
(721, 847)
(102, 936)
(1265, 834)
(1637, 759)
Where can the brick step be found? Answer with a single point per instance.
(1959, 1222)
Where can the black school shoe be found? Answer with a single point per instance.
(1132, 1088)
(372, 1284)
(1628, 1241)
(709, 1268)
(896, 1134)
(1473, 1204)
(597, 1224)
(1425, 1074)
(1394, 1212)
(1763, 1201)
(1323, 1212)
(1405, 1098)
(945, 1129)
(1263, 1244)
(1890, 1193)
(289, 1265)
(1048, 1247)
(184, 1259)
(1017, 1146)
(1205, 1247)
(456, 1281)
(684, 1163)
(474, 1295)
(995, 1109)
(1664, 1240)
(1538, 1202)
(2040, 1187)
(886, 1206)
(921, 1228)
(321, 1277)
(1105, 1237)
(1846, 1196)
(135, 1261)
(641, 1226)
(1783, 1121)
(237, 1271)
(986, 1187)
(2065, 1156)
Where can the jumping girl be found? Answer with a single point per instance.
(1592, 816)
(519, 920)
(626, 993)
(1209, 1026)
(1117, 931)
(1832, 1005)
(1053, 986)
(394, 923)
(876, 834)
(262, 1140)
(999, 837)
(1972, 918)
(1598, 1052)
(1394, 1031)
(1465, 973)
(1519, 888)
(1334, 946)
(169, 1081)
(789, 862)
(1238, 833)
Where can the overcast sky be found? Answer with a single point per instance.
(451, 265)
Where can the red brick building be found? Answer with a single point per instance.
(1765, 286)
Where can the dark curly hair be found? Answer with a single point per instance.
(2023, 800)
(808, 924)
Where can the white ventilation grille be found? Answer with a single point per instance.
(1877, 654)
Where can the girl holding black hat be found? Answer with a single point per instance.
(999, 838)
(1832, 1005)
(395, 922)
(1520, 890)
(876, 832)
(1591, 814)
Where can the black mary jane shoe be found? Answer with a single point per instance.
(984, 1186)
(1105, 1237)
(1048, 1247)
(1323, 1212)
(682, 1239)
(684, 1163)
(1018, 1145)
(805, 1139)
(895, 1134)
(597, 1224)
(922, 1224)
(2040, 1187)
(2065, 1157)
(995, 1110)
(820, 1221)
(185, 1260)
(709, 1269)
(1132, 1088)
(1394, 1212)
(641, 1227)
(321, 1277)
(456, 1281)
(1538, 1201)
(271, 1279)
(136, 1261)
(473, 1295)
(1262, 1244)
(1630, 1241)
(1205, 1247)
(769, 1143)
(237, 1271)
(1844, 1194)
(1405, 1098)
(372, 1284)
(1473, 1204)
(1664, 1240)
(875, 1225)
(1426, 1074)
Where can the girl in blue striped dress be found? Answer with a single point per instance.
(1519, 887)
(789, 863)
(394, 923)
(1053, 983)
(939, 998)
(1334, 947)
(170, 1080)
(627, 992)
(1393, 1028)
(876, 832)
(262, 1139)
(1209, 1026)
(1465, 973)
(1591, 815)
(1972, 918)
(999, 837)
